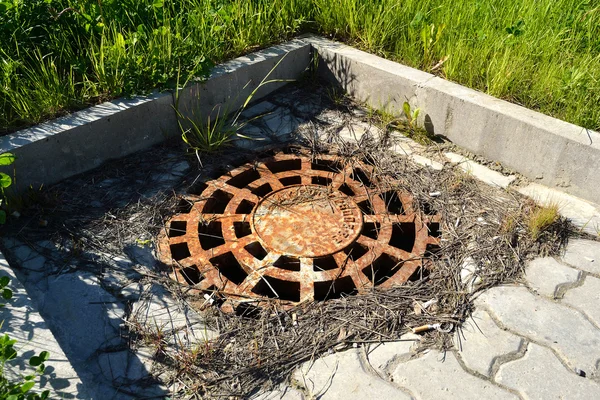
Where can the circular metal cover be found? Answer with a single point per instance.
(307, 221)
(297, 228)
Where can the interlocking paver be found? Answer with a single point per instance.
(583, 254)
(546, 274)
(586, 298)
(341, 375)
(540, 375)
(380, 356)
(563, 329)
(480, 342)
(428, 377)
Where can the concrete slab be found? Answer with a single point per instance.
(22, 322)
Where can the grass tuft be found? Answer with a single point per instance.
(541, 218)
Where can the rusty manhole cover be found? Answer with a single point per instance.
(296, 228)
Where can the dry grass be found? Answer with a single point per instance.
(540, 218)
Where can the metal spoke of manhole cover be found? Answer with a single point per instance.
(296, 228)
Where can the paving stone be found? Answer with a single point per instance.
(356, 130)
(283, 393)
(438, 376)
(382, 354)
(586, 298)
(158, 309)
(179, 168)
(140, 363)
(546, 274)
(341, 375)
(405, 146)
(280, 122)
(480, 342)
(261, 108)
(114, 365)
(21, 320)
(481, 172)
(583, 214)
(540, 375)
(426, 162)
(564, 330)
(83, 316)
(583, 254)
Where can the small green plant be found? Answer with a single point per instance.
(20, 388)
(220, 128)
(411, 116)
(5, 183)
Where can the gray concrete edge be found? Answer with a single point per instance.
(52, 151)
(546, 150)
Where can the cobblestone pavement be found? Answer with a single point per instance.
(538, 340)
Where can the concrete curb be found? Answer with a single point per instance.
(55, 150)
(544, 149)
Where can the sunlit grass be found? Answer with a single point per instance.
(62, 55)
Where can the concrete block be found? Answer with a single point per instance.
(545, 149)
(584, 255)
(480, 342)
(541, 320)
(231, 83)
(439, 376)
(55, 150)
(586, 298)
(546, 275)
(540, 375)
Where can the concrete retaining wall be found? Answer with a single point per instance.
(544, 149)
(53, 151)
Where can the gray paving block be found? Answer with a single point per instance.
(481, 172)
(540, 375)
(439, 376)
(380, 355)
(543, 321)
(586, 298)
(546, 274)
(583, 254)
(480, 342)
(282, 393)
(21, 321)
(341, 375)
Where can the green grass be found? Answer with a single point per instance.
(61, 55)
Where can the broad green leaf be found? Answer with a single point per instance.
(5, 180)
(35, 361)
(27, 387)
(5, 280)
(406, 108)
(7, 294)
(7, 158)
(44, 356)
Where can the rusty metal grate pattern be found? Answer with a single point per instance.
(296, 228)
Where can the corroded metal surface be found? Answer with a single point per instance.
(307, 221)
(298, 229)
